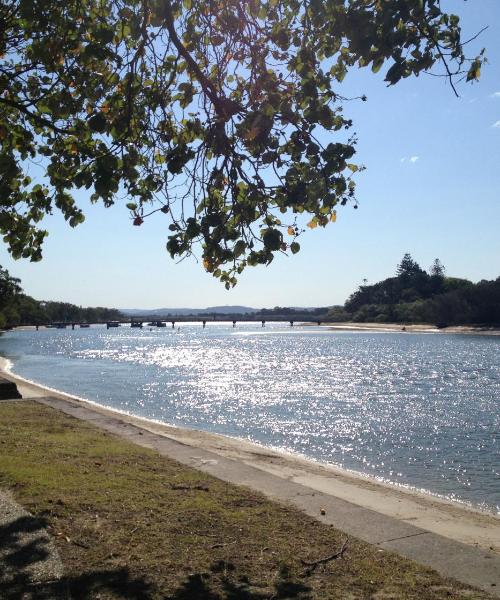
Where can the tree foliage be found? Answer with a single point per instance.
(9, 287)
(415, 296)
(210, 112)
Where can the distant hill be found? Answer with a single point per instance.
(219, 310)
(222, 310)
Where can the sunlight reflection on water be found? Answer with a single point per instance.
(421, 410)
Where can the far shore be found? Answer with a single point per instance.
(369, 327)
(450, 519)
(411, 328)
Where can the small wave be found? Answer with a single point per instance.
(6, 364)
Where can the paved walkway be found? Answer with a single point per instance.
(465, 563)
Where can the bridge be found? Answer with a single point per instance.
(204, 319)
(173, 320)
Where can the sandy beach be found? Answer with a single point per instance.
(411, 328)
(452, 520)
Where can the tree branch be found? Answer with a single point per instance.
(37, 118)
(224, 107)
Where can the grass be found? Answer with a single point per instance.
(129, 523)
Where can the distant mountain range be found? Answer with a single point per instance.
(219, 310)
(210, 310)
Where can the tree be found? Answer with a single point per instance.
(437, 273)
(210, 112)
(437, 269)
(408, 268)
(9, 287)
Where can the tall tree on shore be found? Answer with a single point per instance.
(408, 267)
(437, 269)
(209, 112)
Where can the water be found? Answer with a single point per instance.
(419, 410)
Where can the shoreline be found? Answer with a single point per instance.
(414, 328)
(351, 326)
(454, 520)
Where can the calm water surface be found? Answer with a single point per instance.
(421, 410)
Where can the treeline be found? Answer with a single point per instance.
(285, 311)
(16, 308)
(414, 295)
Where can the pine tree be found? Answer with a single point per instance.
(437, 268)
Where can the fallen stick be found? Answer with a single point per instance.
(315, 563)
(221, 545)
(201, 488)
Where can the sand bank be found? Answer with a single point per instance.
(427, 512)
(409, 328)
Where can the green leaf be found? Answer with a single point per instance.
(272, 239)
(377, 64)
(239, 248)
(98, 122)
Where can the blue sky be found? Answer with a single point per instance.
(431, 188)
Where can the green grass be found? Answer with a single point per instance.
(129, 523)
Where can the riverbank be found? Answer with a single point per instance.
(376, 327)
(412, 328)
(128, 521)
(452, 520)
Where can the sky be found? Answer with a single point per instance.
(431, 188)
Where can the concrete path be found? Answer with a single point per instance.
(468, 564)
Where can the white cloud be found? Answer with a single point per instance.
(496, 124)
(495, 95)
(402, 159)
(413, 159)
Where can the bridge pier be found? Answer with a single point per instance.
(204, 324)
(73, 326)
(173, 324)
(234, 323)
(291, 323)
(263, 323)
